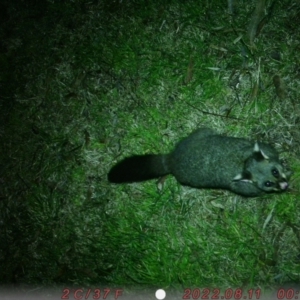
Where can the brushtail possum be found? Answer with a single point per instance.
(206, 159)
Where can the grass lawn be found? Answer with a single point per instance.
(87, 83)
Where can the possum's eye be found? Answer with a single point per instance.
(275, 172)
(269, 183)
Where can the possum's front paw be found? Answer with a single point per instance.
(246, 189)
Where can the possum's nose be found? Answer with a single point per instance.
(283, 185)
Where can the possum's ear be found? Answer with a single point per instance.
(258, 154)
(245, 176)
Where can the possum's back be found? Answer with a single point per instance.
(209, 161)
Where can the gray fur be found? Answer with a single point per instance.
(208, 160)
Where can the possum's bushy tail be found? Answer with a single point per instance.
(139, 168)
